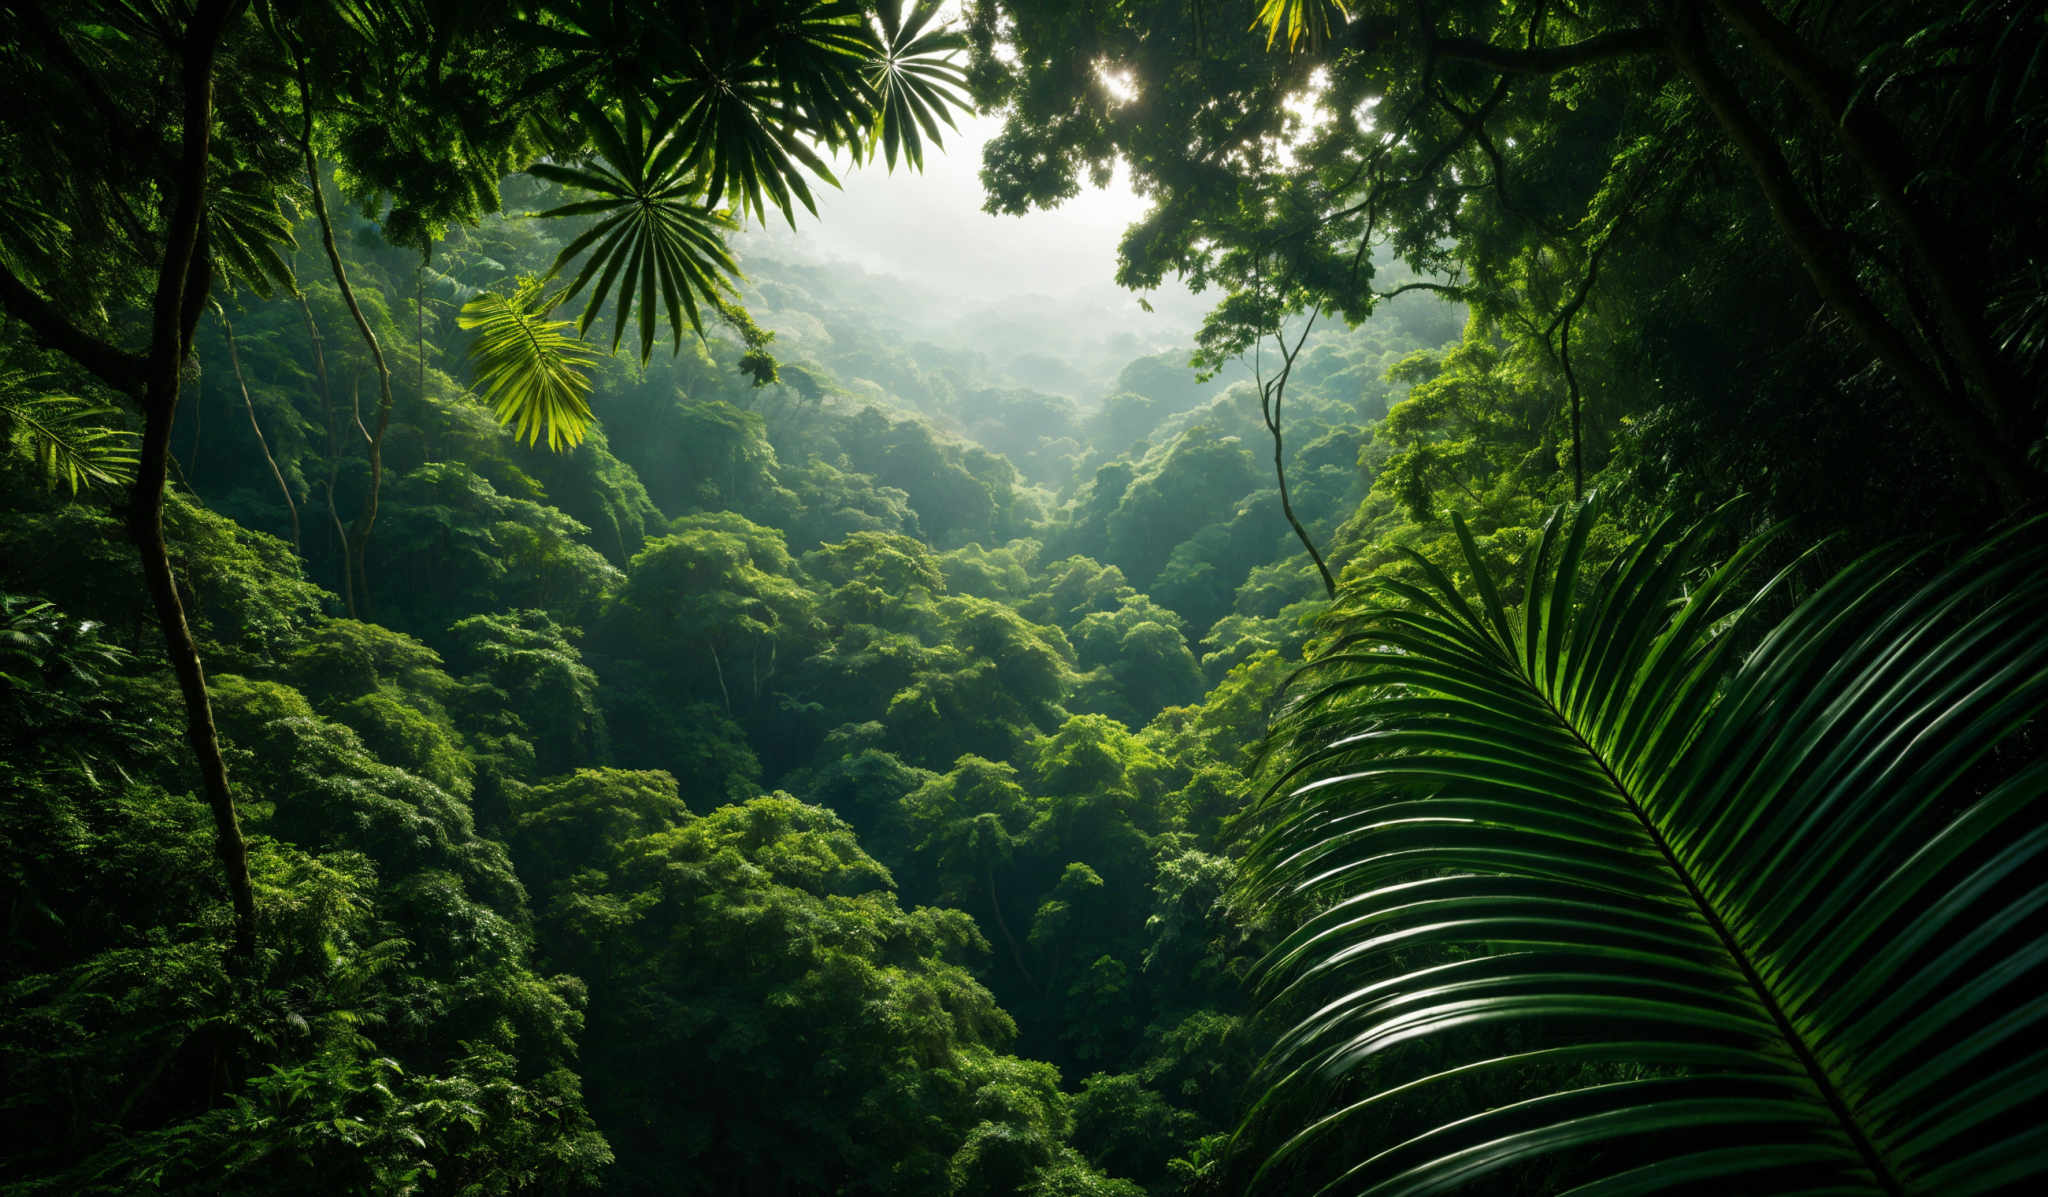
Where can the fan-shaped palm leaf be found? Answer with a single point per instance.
(1307, 21)
(746, 137)
(652, 236)
(531, 372)
(1761, 900)
(76, 442)
(916, 82)
(821, 52)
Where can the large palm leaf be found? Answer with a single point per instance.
(654, 236)
(820, 52)
(534, 374)
(915, 80)
(757, 91)
(1755, 903)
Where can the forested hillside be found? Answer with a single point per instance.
(510, 684)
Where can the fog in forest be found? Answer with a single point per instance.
(1035, 295)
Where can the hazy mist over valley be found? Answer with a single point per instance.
(1033, 299)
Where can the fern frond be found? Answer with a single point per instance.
(77, 443)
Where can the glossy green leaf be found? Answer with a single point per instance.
(1781, 863)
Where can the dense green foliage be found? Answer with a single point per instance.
(586, 793)
(825, 758)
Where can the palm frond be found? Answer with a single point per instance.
(532, 373)
(820, 51)
(1757, 902)
(1302, 21)
(76, 442)
(915, 79)
(653, 237)
(747, 139)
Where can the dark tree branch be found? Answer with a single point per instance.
(262, 442)
(356, 543)
(1445, 289)
(1474, 126)
(123, 371)
(313, 338)
(1271, 396)
(1561, 324)
(198, 285)
(181, 286)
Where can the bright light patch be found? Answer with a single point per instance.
(1119, 82)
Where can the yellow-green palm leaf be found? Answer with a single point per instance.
(1300, 21)
(532, 372)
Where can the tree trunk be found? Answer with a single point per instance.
(357, 539)
(182, 282)
(1271, 396)
(348, 586)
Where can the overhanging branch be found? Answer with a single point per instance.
(125, 372)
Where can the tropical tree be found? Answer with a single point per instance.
(1649, 886)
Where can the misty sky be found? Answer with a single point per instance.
(929, 229)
